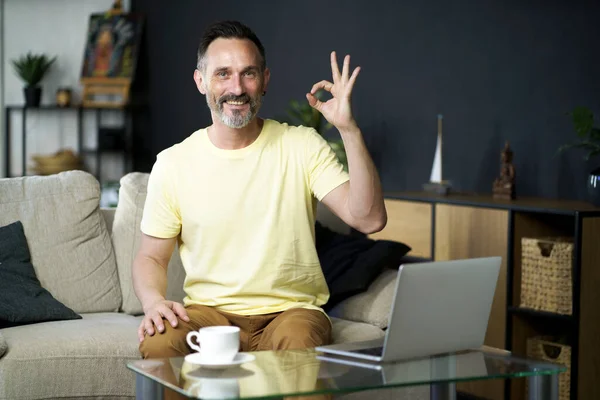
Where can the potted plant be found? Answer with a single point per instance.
(32, 68)
(304, 114)
(589, 140)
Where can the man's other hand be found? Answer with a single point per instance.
(157, 313)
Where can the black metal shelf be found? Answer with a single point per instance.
(127, 133)
(530, 312)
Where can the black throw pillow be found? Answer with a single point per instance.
(22, 299)
(351, 263)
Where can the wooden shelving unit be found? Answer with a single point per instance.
(472, 225)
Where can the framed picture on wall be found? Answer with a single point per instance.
(110, 58)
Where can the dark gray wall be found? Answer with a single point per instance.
(497, 70)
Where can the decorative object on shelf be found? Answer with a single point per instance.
(63, 160)
(504, 185)
(546, 274)
(588, 140)
(32, 68)
(63, 97)
(110, 57)
(304, 114)
(436, 182)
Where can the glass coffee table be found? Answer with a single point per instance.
(277, 374)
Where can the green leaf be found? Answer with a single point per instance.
(296, 115)
(302, 113)
(586, 145)
(32, 68)
(593, 149)
(592, 154)
(583, 121)
(589, 136)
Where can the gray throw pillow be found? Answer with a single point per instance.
(22, 299)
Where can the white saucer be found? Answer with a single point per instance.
(239, 359)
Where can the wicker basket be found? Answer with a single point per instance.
(63, 160)
(543, 349)
(546, 274)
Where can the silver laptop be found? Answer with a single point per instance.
(438, 307)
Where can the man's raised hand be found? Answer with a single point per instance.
(337, 110)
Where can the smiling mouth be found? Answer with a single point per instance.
(236, 103)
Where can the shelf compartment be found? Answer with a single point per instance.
(559, 353)
(541, 314)
(528, 325)
(535, 225)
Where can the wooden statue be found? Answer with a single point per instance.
(504, 186)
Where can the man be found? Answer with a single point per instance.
(239, 196)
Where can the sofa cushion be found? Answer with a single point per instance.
(126, 235)
(372, 306)
(71, 358)
(352, 262)
(70, 246)
(347, 331)
(22, 299)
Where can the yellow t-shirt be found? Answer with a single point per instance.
(246, 217)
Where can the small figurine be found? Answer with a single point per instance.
(504, 186)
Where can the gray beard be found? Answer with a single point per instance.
(237, 119)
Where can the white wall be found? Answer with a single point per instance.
(58, 28)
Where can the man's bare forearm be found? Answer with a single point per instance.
(149, 280)
(365, 198)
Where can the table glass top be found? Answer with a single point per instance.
(293, 372)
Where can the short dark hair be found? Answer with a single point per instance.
(227, 30)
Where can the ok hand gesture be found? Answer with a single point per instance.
(337, 110)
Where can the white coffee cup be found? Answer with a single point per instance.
(218, 344)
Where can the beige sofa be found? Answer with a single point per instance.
(83, 254)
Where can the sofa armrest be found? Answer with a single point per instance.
(373, 306)
(3, 345)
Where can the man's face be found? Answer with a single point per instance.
(233, 81)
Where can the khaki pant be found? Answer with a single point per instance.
(297, 328)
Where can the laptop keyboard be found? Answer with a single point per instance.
(372, 351)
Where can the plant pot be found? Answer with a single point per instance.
(593, 185)
(33, 95)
